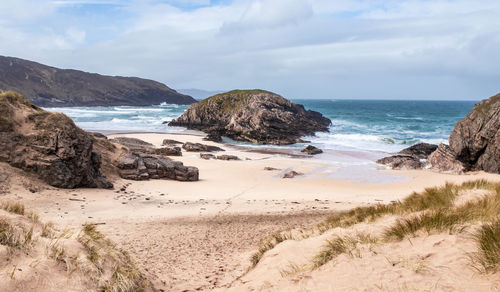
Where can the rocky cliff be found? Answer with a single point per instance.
(255, 116)
(475, 140)
(52, 87)
(47, 144)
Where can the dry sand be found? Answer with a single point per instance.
(200, 235)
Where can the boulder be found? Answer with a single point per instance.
(227, 157)
(207, 156)
(475, 140)
(444, 160)
(401, 162)
(48, 144)
(170, 142)
(168, 151)
(291, 174)
(137, 166)
(214, 137)
(255, 116)
(198, 147)
(311, 150)
(140, 146)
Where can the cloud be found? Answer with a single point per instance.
(299, 48)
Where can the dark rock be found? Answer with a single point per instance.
(291, 174)
(268, 168)
(475, 140)
(255, 116)
(54, 148)
(409, 158)
(207, 156)
(420, 150)
(51, 87)
(170, 142)
(401, 162)
(140, 146)
(214, 137)
(99, 135)
(138, 166)
(311, 150)
(227, 157)
(444, 160)
(168, 151)
(198, 147)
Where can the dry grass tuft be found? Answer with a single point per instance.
(487, 258)
(13, 207)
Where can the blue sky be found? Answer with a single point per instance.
(392, 49)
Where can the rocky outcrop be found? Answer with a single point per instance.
(137, 145)
(401, 162)
(291, 174)
(198, 147)
(444, 160)
(311, 150)
(475, 140)
(412, 157)
(138, 166)
(214, 137)
(255, 116)
(167, 142)
(419, 151)
(52, 87)
(227, 157)
(207, 156)
(47, 144)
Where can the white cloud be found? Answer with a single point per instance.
(300, 48)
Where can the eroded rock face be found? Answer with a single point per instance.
(47, 144)
(255, 116)
(139, 166)
(475, 140)
(444, 160)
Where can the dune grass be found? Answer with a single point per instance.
(433, 210)
(488, 243)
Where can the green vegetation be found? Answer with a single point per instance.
(230, 101)
(269, 244)
(485, 106)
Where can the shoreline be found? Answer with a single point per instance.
(200, 235)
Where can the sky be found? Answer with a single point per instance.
(391, 49)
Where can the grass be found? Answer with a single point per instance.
(14, 236)
(269, 244)
(104, 255)
(488, 244)
(432, 210)
(230, 101)
(13, 207)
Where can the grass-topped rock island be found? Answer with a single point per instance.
(255, 116)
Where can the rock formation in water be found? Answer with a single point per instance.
(474, 144)
(255, 116)
(47, 144)
(52, 87)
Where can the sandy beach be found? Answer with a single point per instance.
(200, 235)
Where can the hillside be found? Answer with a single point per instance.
(52, 87)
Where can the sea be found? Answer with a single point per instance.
(361, 132)
(367, 125)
